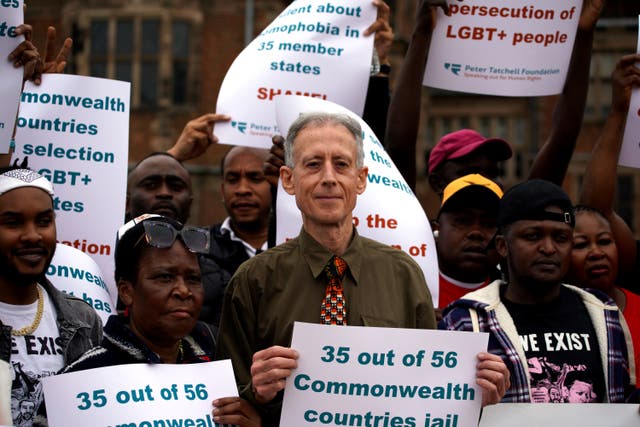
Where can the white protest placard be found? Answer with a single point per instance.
(387, 211)
(565, 415)
(630, 150)
(314, 48)
(6, 374)
(75, 131)
(353, 375)
(76, 273)
(515, 48)
(11, 15)
(142, 395)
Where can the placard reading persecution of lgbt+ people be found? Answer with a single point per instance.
(385, 377)
(75, 131)
(515, 48)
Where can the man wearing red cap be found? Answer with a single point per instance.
(465, 152)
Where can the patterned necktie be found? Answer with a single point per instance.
(334, 307)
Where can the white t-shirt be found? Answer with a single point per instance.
(33, 356)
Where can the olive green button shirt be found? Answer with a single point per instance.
(383, 287)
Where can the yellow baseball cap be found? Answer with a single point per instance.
(472, 180)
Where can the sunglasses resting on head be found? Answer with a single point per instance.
(161, 232)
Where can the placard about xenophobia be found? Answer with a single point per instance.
(515, 48)
(314, 48)
(138, 395)
(75, 131)
(76, 273)
(388, 210)
(386, 377)
(11, 15)
(630, 150)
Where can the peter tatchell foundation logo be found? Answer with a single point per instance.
(454, 68)
(241, 126)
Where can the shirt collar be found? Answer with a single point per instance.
(317, 256)
(250, 250)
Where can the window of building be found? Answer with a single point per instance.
(180, 57)
(153, 50)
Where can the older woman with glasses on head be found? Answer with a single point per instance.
(158, 278)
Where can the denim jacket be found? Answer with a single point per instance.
(79, 326)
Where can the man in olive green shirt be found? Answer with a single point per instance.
(383, 286)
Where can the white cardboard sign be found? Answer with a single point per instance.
(387, 211)
(630, 150)
(76, 273)
(515, 48)
(399, 377)
(75, 131)
(142, 395)
(313, 48)
(565, 415)
(11, 15)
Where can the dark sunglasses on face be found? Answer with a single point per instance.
(160, 234)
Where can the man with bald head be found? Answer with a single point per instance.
(246, 195)
(247, 198)
(159, 184)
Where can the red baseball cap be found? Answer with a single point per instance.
(462, 142)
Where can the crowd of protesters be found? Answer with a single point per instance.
(555, 284)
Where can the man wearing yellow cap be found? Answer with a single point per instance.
(464, 229)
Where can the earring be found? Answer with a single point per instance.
(435, 234)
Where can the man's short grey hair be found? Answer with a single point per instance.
(322, 119)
